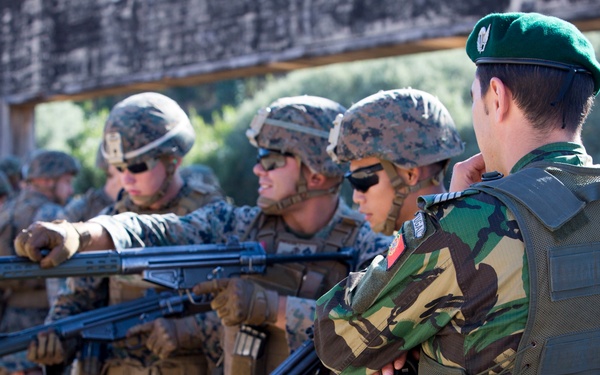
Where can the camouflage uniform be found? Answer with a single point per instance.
(404, 128)
(25, 303)
(132, 124)
(219, 222)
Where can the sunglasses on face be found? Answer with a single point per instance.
(270, 159)
(363, 178)
(144, 166)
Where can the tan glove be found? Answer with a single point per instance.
(241, 301)
(61, 237)
(168, 335)
(48, 349)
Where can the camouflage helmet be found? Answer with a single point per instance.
(144, 126)
(10, 165)
(298, 125)
(50, 164)
(408, 127)
(5, 186)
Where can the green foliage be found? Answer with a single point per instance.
(63, 126)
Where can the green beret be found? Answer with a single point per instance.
(532, 38)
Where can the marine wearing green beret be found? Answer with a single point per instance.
(493, 277)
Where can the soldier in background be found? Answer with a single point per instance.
(90, 204)
(146, 137)
(11, 166)
(6, 189)
(299, 211)
(47, 186)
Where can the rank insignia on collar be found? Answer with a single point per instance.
(396, 249)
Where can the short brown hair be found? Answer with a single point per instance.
(536, 91)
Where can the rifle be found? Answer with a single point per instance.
(108, 324)
(174, 267)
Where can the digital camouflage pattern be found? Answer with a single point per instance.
(50, 164)
(218, 222)
(17, 213)
(85, 206)
(144, 126)
(298, 125)
(407, 127)
(459, 292)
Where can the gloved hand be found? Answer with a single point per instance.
(48, 349)
(61, 237)
(241, 301)
(167, 335)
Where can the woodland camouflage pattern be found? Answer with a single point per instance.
(218, 222)
(142, 119)
(407, 127)
(459, 292)
(50, 164)
(314, 113)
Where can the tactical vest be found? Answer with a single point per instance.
(190, 197)
(557, 208)
(305, 280)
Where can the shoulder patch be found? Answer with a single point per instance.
(419, 224)
(396, 249)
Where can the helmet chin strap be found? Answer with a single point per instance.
(148, 200)
(402, 190)
(273, 207)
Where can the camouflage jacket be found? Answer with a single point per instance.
(459, 292)
(88, 205)
(216, 223)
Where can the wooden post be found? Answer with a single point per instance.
(17, 131)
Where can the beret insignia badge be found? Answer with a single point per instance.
(482, 38)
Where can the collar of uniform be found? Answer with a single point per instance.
(561, 152)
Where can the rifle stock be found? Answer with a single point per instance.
(174, 267)
(110, 323)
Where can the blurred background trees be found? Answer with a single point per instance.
(221, 111)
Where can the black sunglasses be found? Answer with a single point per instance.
(363, 178)
(144, 166)
(271, 159)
